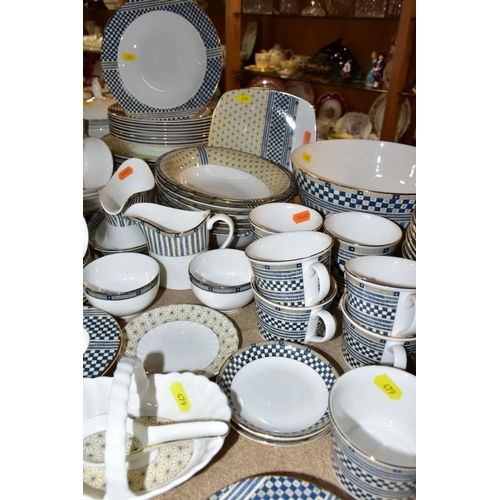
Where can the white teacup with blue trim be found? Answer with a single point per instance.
(381, 294)
(292, 269)
(303, 325)
(361, 347)
(373, 415)
(174, 237)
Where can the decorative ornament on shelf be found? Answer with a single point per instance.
(378, 71)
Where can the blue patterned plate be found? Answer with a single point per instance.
(161, 56)
(272, 488)
(102, 338)
(278, 389)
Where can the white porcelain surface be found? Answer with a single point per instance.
(363, 229)
(132, 177)
(372, 165)
(284, 217)
(220, 279)
(181, 337)
(381, 426)
(97, 163)
(152, 407)
(85, 237)
(115, 277)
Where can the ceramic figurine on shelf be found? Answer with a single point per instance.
(378, 71)
(369, 77)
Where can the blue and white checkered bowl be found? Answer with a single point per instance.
(357, 175)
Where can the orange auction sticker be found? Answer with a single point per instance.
(307, 137)
(127, 171)
(301, 216)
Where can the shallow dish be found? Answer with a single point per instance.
(171, 167)
(358, 175)
(181, 337)
(278, 388)
(263, 122)
(102, 339)
(142, 75)
(157, 406)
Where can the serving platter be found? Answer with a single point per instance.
(180, 337)
(271, 487)
(278, 389)
(102, 340)
(161, 56)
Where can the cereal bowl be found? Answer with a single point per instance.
(122, 284)
(220, 279)
(357, 175)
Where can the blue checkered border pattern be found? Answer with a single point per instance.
(116, 296)
(175, 244)
(275, 349)
(364, 480)
(272, 488)
(324, 198)
(118, 220)
(104, 341)
(190, 11)
(278, 135)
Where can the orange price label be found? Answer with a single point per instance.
(385, 384)
(307, 137)
(126, 172)
(129, 57)
(180, 396)
(301, 216)
(306, 157)
(244, 99)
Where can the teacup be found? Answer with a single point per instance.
(381, 294)
(262, 60)
(357, 233)
(373, 415)
(300, 60)
(174, 237)
(303, 325)
(272, 218)
(361, 347)
(292, 269)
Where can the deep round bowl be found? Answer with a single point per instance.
(357, 175)
(122, 284)
(220, 279)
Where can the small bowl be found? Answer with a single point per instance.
(220, 279)
(357, 175)
(122, 284)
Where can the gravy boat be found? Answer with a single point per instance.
(174, 237)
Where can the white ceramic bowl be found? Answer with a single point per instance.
(357, 175)
(156, 405)
(97, 163)
(122, 284)
(221, 279)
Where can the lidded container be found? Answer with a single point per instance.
(95, 112)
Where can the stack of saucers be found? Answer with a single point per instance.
(91, 201)
(278, 392)
(409, 247)
(224, 181)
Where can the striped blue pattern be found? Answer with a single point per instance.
(118, 220)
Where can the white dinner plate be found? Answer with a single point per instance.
(263, 122)
(278, 388)
(161, 56)
(180, 337)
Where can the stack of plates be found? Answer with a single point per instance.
(91, 201)
(278, 392)
(223, 181)
(409, 247)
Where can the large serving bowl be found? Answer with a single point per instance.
(357, 175)
(122, 284)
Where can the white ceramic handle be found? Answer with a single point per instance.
(409, 302)
(115, 452)
(225, 218)
(330, 327)
(323, 281)
(399, 353)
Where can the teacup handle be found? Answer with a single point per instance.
(225, 218)
(330, 328)
(409, 302)
(323, 280)
(400, 358)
